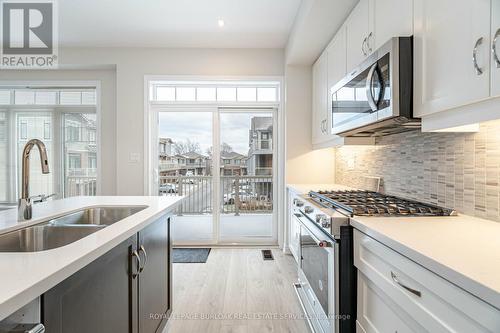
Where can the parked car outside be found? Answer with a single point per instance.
(229, 198)
(167, 188)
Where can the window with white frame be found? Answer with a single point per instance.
(69, 134)
(40, 96)
(214, 91)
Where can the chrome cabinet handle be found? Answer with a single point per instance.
(478, 69)
(413, 291)
(494, 48)
(368, 44)
(363, 46)
(143, 250)
(138, 269)
(39, 328)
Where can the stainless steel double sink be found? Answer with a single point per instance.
(64, 230)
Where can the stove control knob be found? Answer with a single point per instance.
(325, 222)
(320, 217)
(308, 209)
(298, 203)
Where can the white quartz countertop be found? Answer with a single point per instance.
(462, 249)
(27, 275)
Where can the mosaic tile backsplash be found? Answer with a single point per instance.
(455, 170)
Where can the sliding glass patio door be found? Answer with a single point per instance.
(185, 141)
(246, 191)
(222, 160)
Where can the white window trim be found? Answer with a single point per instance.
(77, 109)
(151, 123)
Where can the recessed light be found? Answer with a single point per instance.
(220, 22)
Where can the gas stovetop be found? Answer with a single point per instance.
(368, 203)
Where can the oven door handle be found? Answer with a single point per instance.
(320, 243)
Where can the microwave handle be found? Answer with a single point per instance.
(369, 95)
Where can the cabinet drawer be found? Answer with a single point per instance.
(377, 313)
(435, 303)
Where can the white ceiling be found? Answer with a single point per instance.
(315, 25)
(176, 23)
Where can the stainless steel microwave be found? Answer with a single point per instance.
(376, 99)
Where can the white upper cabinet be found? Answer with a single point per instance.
(389, 18)
(451, 54)
(372, 23)
(495, 48)
(320, 129)
(358, 30)
(337, 60)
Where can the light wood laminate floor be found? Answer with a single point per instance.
(236, 291)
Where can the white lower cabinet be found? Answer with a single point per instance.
(294, 237)
(294, 227)
(395, 294)
(377, 313)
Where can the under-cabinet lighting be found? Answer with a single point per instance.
(464, 128)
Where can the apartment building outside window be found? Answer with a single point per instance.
(74, 161)
(66, 122)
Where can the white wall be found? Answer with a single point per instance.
(133, 64)
(123, 103)
(304, 165)
(108, 111)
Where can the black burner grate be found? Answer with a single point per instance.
(368, 203)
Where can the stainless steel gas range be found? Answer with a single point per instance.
(327, 277)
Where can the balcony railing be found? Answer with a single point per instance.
(262, 144)
(238, 194)
(174, 166)
(77, 186)
(263, 171)
(82, 172)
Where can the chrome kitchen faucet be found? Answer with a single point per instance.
(24, 205)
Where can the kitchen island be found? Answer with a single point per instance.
(132, 252)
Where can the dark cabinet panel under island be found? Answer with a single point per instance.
(128, 289)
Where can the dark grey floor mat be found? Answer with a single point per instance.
(190, 255)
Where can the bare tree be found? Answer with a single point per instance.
(188, 146)
(224, 149)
